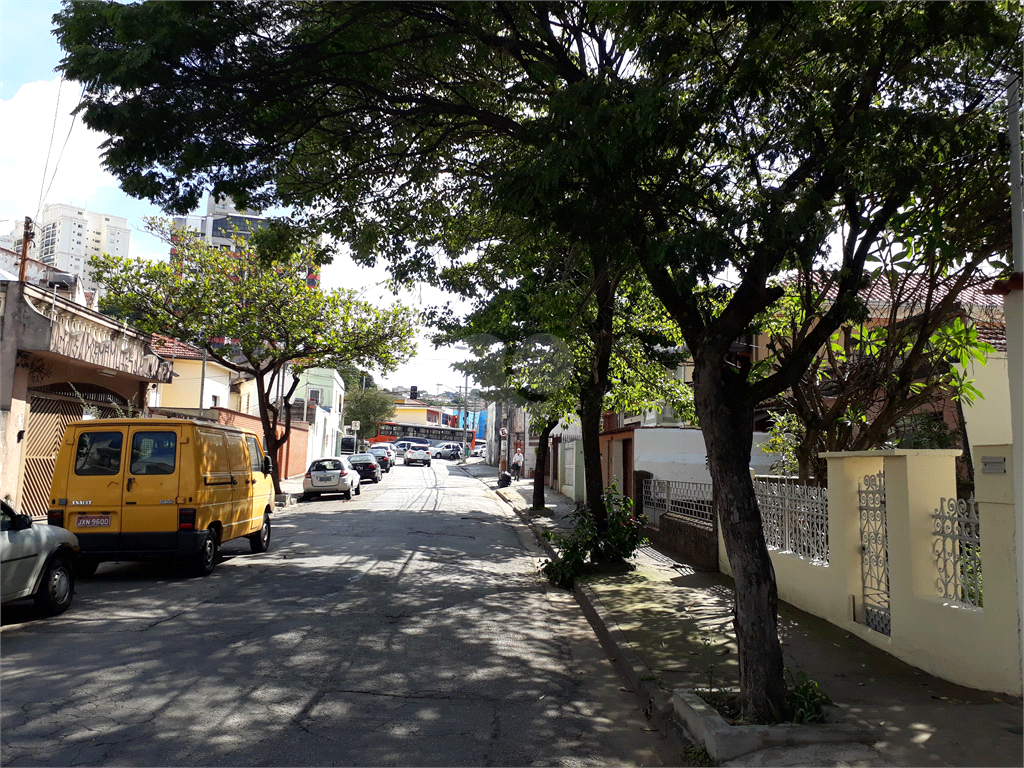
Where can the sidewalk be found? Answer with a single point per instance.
(670, 626)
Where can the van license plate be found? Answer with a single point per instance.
(93, 521)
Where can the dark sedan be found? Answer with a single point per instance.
(383, 457)
(366, 465)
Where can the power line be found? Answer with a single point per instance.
(56, 165)
(49, 149)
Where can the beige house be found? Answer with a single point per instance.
(193, 378)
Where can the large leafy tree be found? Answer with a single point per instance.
(369, 407)
(265, 321)
(688, 139)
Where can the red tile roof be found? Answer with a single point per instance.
(993, 333)
(167, 347)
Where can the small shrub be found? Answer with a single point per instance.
(807, 700)
(624, 535)
(696, 756)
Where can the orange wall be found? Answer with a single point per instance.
(291, 457)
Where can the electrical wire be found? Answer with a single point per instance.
(49, 149)
(56, 165)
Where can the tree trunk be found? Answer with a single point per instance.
(269, 421)
(591, 402)
(542, 463)
(726, 416)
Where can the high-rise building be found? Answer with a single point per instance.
(68, 235)
(223, 220)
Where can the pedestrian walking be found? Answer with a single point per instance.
(517, 464)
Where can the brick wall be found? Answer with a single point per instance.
(291, 457)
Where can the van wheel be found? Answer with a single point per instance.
(57, 587)
(206, 558)
(260, 541)
(84, 567)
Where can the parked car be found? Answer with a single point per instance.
(333, 475)
(403, 445)
(418, 454)
(383, 456)
(478, 451)
(36, 561)
(445, 450)
(366, 465)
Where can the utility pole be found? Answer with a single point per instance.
(465, 422)
(26, 237)
(202, 384)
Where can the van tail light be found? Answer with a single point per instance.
(186, 519)
(55, 517)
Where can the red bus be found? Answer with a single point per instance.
(393, 431)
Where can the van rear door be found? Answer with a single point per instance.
(95, 483)
(150, 517)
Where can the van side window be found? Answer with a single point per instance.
(98, 453)
(153, 453)
(255, 456)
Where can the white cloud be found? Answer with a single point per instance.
(35, 163)
(73, 173)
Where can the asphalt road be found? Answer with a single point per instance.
(408, 626)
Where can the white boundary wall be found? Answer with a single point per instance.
(975, 647)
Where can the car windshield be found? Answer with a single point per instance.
(325, 465)
(361, 457)
(379, 451)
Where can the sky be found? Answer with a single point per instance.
(48, 156)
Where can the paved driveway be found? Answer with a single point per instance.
(405, 627)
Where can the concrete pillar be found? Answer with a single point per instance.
(1000, 554)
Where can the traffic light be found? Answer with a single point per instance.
(414, 393)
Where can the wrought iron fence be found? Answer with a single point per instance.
(957, 550)
(794, 516)
(690, 501)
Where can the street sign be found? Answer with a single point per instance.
(504, 432)
(355, 426)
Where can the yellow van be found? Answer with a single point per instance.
(138, 489)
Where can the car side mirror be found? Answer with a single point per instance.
(21, 522)
(268, 466)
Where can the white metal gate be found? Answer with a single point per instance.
(874, 548)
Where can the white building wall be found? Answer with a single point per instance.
(988, 419)
(68, 236)
(672, 453)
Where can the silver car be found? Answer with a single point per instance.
(36, 560)
(417, 454)
(333, 475)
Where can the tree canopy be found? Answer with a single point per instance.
(265, 322)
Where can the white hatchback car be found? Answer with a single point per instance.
(418, 454)
(333, 475)
(36, 560)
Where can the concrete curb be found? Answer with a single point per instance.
(641, 679)
(725, 742)
(282, 500)
(658, 708)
